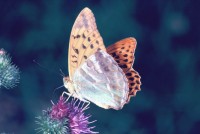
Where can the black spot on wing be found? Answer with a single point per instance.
(132, 84)
(91, 46)
(89, 39)
(78, 36)
(136, 88)
(74, 61)
(128, 74)
(136, 76)
(131, 78)
(84, 47)
(117, 61)
(74, 56)
(137, 82)
(126, 60)
(123, 66)
(83, 35)
(117, 57)
(76, 50)
(125, 55)
(85, 57)
(113, 54)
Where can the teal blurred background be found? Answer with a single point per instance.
(167, 58)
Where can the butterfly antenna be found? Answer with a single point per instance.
(56, 89)
(61, 73)
(47, 68)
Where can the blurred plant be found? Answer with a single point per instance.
(65, 118)
(9, 73)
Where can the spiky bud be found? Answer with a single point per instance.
(9, 73)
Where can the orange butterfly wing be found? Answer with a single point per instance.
(84, 40)
(123, 53)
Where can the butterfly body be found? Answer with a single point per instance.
(69, 84)
(96, 74)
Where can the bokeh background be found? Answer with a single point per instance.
(167, 58)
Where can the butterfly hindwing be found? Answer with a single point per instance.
(101, 81)
(123, 53)
(84, 40)
(134, 82)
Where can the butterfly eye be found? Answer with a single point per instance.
(66, 79)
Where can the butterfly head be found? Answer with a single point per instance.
(68, 84)
(66, 81)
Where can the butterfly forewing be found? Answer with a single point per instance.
(84, 40)
(123, 53)
(101, 81)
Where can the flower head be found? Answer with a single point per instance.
(65, 118)
(49, 125)
(9, 73)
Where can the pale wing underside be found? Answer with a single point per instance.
(84, 40)
(101, 81)
(123, 53)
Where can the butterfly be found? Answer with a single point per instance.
(97, 74)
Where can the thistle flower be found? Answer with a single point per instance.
(65, 118)
(49, 125)
(9, 73)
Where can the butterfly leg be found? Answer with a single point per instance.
(82, 99)
(86, 106)
(69, 95)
